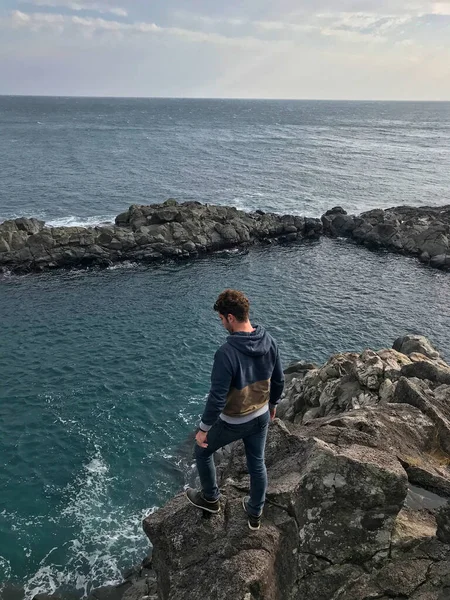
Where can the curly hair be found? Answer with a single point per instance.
(233, 302)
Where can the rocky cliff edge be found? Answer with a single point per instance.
(359, 484)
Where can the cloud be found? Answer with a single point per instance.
(282, 26)
(91, 25)
(441, 8)
(83, 5)
(346, 26)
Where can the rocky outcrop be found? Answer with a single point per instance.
(145, 233)
(420, 231)
(173, 230)
(357, 505)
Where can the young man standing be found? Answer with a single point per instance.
(246, 384)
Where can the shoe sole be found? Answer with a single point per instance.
(248, 520)
(210, 510)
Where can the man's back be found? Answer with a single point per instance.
(248, 367)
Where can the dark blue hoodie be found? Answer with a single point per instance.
(247, 375)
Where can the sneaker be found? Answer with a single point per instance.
(254, 523)
(196, 498)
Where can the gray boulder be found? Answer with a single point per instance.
(408, 344)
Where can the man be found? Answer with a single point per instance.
(246, 384)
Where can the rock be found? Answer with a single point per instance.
(413, 526)
(318, 500)
(402, 577)
(369, 370)
(147, 233)
(426, 370)
(350, 381)
(337, 210)
(123, 219)
(415, 392)
(443, 524)
(415, 343)
(299, 367)
(4, 246)
(313, 228)
(30, 226)
(340, 225)
(440, 261)
(422, 231)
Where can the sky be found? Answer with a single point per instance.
(308, 49)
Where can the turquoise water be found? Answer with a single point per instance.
(104, 374)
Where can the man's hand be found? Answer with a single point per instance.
(200, 438)
(273, 412)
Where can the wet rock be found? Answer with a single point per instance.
(422, 231)
(147, 233)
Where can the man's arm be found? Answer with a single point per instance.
(276, 385)
(221, 377)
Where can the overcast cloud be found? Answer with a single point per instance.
(348, 49)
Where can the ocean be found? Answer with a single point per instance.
(104, 373)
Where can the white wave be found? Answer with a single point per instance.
(76, 221)
(104, 535)
(127, 264)
(70, 221)
(5, 570)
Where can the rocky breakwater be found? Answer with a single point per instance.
(419, 231)
(359, 483)
(145, 233)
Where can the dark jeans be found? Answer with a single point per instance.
(254, 435)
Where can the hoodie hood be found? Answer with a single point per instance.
(257, 343)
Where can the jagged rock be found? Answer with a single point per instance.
(422, 231)
(343, 520)
(300, 367)
(31, 226)
(145, 233)
(443, 524)
(335, 505)
(427, 370)
(412, 526)
(410, 344)
(176, 227)
(417, 393)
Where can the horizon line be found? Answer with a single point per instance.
(113, 97)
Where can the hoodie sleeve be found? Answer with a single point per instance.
(276, 382)
(221, 377)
